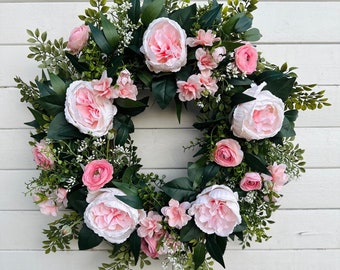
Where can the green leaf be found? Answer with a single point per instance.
(240, 81)
(79, 66)
(292, 115)
(190, 232)
(209, 172)
(243, 24)
(135, 244)
(145, 76)
(195, 174)
(37, 116)
(281, 88)
(287, 129)
(207, 19)
(255, 163)
(216, 246)
(131, 107)
(77, 200)
(269, 75)
(60, 129)
(164, 90)
(134, 11)
(127, 188)
(44, 89)
(130, 173)
(181, 189)
(133, 201)
(185, 17)
(151, 11)
(124, 126)
(58, 85)
(239, 98)
(100, 40)
(199, 255)
(252, 34)
(88, 238)
(110, 32)
(229, 25)
(53, 104)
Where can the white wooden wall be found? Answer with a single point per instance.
(306, 234)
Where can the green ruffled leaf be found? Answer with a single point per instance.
(88, 238)
(292, 115)
(180, 189)
(164, 90)
(44, 89)
(130, 174)
(252, 35)
(53, 104)
(229, 26)
(239, 98)
(127, 188)
(281, 88)
(37, 116)
(287, 129)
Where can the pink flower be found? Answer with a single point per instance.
(278, 176)
(61, 196)
(219, 54)
(151, 245)
(90, 113)
(260, 118)
(78, 38)
(251, 181)
(228, 153)
(97, 173)
(48, 207)
(208, 81)
(205, 59)
(216, 210)
(125, 87)
(204, 38)
(246, 58)
(176, 213)
(150, 225)
(164, 46)
(103, 86)
(110, 218)
(191, 89)
(43, 155)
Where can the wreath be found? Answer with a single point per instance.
(193, 57)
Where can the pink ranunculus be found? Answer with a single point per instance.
(204, 38)
(216, 210)
(90, 113)
(176, 213)
(228, 153)
(48, 207)
(190, 89)
(164, 46)
(102, 87)
(125, 88)
(150, 225)
(251, 181)
(110, 218)
(260, 118)
(43, 155)
(205, 60)
(208, 81)
(78, 38)
(97, 173)
(246, 58)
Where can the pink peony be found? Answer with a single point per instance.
(204, 38)
(125, 87)
(43, 155)
(216, 210)
(150, 225)
(246, 58)
(90, 113)
(176, 213)
(228, 153)
(164, 46)
(109, 217)
(260, 118)
(97, 173)
(189, 90)
(251, 181)
(78, 38)
(103, 86)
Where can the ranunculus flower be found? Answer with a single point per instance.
(190, 89)
(97, 173)
(251, 181)
(43, 155)
(216, 210)
(103, 86)
(228, 153)
(109, 217)
(246, 58)
(164, 46)
(204, 38)
(78, 38)
(208, 81)
(260, 118)
(150, 225)
(90, 113)
(125, 88)
(176, 213)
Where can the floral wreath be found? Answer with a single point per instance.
(175, 52)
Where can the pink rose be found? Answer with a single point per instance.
(246, 58)
(251, 181)
(260, 118)
(97, 173)
(176, 213)
(78, 38)
(110, 218)
(204, 38)
(228, 153)
(43, 155)
(103, 86)
(150, 225)
(125, 87)
(208, 81)
(164, 46)
(216, 210)
(191, 89)
(90, 113)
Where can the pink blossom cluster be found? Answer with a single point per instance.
(49, 204)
